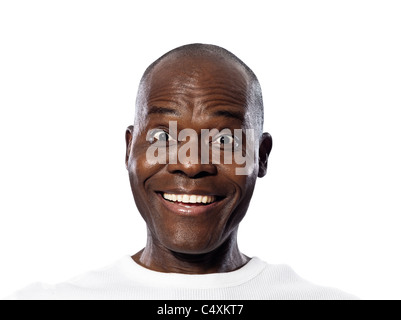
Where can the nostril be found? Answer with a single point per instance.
(201, 175)
(193, 171)
(198, 175)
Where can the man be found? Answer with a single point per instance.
(193, 156)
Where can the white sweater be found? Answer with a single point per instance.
(126, 280)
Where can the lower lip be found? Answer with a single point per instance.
(188, 209)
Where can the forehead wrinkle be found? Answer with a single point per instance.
(175, 75)
(207, 94)
(196, 103)
(190, 94)
(217, 112)
(214, 94)
(169, 93)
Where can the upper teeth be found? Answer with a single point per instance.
(188, 198)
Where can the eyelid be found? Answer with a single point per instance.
(235, 141)
(225, 132)
(150, 137)
(223, 135)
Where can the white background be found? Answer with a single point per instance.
(331, 77)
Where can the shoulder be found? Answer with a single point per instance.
(88, 285)
(282, 282)
(35, 291)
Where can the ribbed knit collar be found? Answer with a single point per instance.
(142, 275)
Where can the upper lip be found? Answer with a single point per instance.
(191, 191)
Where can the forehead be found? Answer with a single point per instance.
(190, 83)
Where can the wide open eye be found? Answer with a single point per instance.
(158, 135)
(161, 136)
(225, 140)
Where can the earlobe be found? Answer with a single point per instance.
(128, 142)
(265, 147)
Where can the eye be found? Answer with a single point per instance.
(161, 136)
(158, 135)
(225, 140)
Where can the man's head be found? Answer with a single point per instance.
(193, 207)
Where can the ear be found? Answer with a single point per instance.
(266, 144)
(128, 142)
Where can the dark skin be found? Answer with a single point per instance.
(198, 93)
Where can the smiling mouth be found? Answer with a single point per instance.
(190, 199)
(190, 204)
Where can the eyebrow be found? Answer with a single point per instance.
(162, 110)
(229, 114)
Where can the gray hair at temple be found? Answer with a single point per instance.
(254, 94)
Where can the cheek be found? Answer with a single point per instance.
(139, 173)
(243, 182)
(141, 165)
(140, 170)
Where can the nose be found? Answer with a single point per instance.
(187, 158)
(193, 170)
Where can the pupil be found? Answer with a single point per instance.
(223, 140)
(164, 136)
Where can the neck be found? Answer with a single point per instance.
(225, 258)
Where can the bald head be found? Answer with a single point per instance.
(197, 65)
